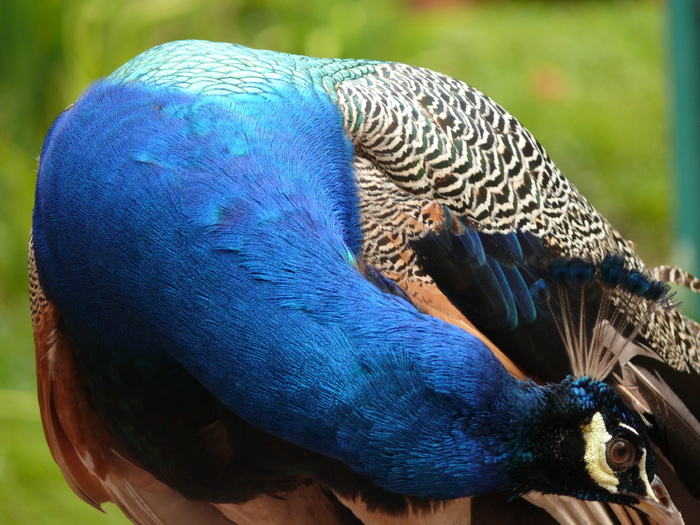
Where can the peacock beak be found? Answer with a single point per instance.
(658, 505)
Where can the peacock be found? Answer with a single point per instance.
(270, 288)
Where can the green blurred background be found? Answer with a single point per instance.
(587, 78)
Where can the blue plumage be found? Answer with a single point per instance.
(236, 278)
(203, 240)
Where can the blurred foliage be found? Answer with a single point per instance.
(32, 489)
(587, 78)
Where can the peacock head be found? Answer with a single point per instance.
(593, 446)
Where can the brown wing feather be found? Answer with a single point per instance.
(54, 376)
(455, 512)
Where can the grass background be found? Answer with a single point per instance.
(587, 77)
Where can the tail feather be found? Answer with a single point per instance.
(675, 422)
(570, 511)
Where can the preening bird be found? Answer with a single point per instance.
(277, 289)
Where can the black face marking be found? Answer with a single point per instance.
(572, 445)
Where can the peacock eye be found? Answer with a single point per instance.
(621, 454)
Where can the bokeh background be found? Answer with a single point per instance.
(588, 78)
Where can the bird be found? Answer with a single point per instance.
(270, 288)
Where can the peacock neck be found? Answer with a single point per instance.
(242, 224)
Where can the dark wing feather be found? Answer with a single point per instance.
(672, 401)
(493, 292)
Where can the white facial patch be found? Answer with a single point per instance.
(630, 429)
(645, 478)
(596, 437)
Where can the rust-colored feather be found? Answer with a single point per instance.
(59, 392)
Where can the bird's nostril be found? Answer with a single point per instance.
(662, 495)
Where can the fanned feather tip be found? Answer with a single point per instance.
(583, 297)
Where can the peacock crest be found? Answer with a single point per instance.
(582, 299)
